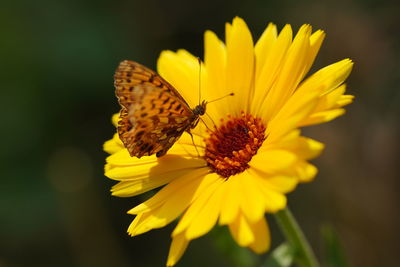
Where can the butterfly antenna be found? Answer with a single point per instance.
(215, 126)
(199, 60)
(219, 98)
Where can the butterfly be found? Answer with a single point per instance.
(153, 114)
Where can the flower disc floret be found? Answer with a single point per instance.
(232, 145)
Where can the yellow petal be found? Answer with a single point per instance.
(215, 64)
(162, 211)
(293, 112)
(190, 183)
(275, 201)
(272, 161)
(278, 183)
(306, 171)
(252, 200)
(115, 119)
(164, 214)
(207, 217)
(136, 187)
(239, 67)
(114, 145)
(135, 222)
(262, 237)
(299, 108)
(231, 201)
(327, 79)
(282, 183)
(308, 148)
(303, 147)
(329, 100)
(122, 158)
(178, 247)
(283, 141)
(272, 190)
(316, 40)
(328, 107)
(146, 223)
(241, 231)
(188, 58)
(324, 116)
(290, 74)
(345, 100)
(263, 47)
(202, 215)
(152, 167)
(270, 69)
(228, 28)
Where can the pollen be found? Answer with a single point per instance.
(231, 146)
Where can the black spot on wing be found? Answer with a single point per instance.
(172, 131)
(150, 148)
(178, 107)
(139, 135)
(166, 100)
(145, 147)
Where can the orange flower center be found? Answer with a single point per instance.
(230, 148)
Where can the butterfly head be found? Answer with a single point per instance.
(200, 109)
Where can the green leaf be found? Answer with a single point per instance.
(334, 253)
(282, 256)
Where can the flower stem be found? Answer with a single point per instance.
(287, 223)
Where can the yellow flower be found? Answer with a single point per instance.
(255, 155)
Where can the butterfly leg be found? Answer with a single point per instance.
(191, 135)
(195, 123)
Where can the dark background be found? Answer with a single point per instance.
(57, 60)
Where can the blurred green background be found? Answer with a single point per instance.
(57, 60)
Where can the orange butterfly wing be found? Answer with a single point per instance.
(153, 115)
